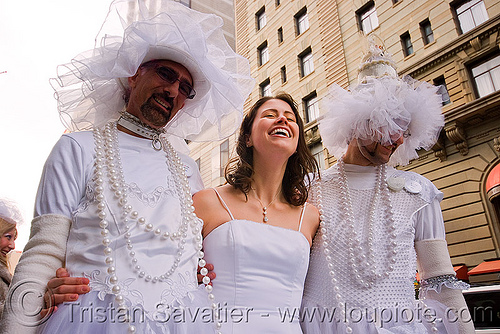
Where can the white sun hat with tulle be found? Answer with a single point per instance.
(90, 89)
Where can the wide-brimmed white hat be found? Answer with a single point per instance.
(380, 106)
(90, 89)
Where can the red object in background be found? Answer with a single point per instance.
(486, 267)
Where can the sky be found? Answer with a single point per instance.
(35, 37)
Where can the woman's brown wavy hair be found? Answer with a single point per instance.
(296, 181)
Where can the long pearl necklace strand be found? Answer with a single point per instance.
(265, 207)
(362, 258)
(108, 166)
(354, 240)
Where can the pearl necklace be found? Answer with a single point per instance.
(327, 236)
(264, 207)
(362, 253)
(108, 164)
(339, 300)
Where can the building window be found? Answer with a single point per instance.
(306, 62)
(301, 21)
(224, 156)
(283, 74)
(186, 3)
(318, 154)
(278, 2)
(265, 88)
(198, 163)
(426, 30)
(406, 44)
(260, 18)
(470, 14)
(367, 17)
(395, 1)
(263, 53)
(487, 76)
(311, 107)
(280, 35)
(443, 90)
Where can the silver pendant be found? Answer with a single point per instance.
(156, 143)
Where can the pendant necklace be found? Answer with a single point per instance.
(264, 207)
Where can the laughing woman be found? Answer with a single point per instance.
(258, 228)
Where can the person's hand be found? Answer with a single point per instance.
(63, 288)
(210, 274)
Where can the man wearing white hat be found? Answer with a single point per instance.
(379, 223)
(114, 203)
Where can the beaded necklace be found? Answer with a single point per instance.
(359, 261)
(109, 172)
(362, 258)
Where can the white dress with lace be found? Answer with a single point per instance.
(387, 304)
(261, 270)
(67, 188)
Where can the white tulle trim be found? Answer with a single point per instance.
(437, 283)
(89, 90)
(380, 107)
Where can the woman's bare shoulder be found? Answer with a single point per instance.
(209, 208)
(311, 222)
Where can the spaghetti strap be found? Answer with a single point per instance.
(224, 204)
(302, 216)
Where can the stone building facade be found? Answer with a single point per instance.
(304, 46)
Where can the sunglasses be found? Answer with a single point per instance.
(171, 76)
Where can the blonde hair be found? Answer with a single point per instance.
(4, 228)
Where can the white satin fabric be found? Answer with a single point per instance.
(260, 275)
(67, 188)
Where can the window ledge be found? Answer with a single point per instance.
(371, 31)
(260, 66)
(409, 56)
(394, 4)
(302, 33)
(430, 44)
(309, 125)
(305, 76)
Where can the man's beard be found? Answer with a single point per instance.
(154, 115)
(372, 156)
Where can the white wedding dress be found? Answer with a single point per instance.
(67, 188)
(261, 271)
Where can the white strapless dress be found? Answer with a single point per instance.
(261, 271)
